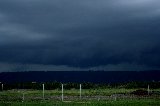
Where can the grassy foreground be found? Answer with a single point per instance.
(71, 92)
(91, 103)
(53, 98)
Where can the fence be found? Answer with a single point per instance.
(73, 94)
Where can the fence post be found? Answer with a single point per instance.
(43, 91)
(115, 98)
(148, 90)
(23, 97)
(2, 87)
(80, 88)
(62, 92)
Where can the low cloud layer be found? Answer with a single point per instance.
(80, 35)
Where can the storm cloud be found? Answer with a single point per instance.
(79, 35)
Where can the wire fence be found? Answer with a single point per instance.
(23, 95)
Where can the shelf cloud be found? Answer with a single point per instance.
(80, 35)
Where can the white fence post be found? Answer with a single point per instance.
(62, 92)
(2, 87)
(43, 91)
(80, 88)
(23, 97)
(148, 90)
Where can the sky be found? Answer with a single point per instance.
(65, 35)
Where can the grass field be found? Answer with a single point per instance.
(90, 103)
(72, 92)
(90, 97)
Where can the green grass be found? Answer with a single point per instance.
(106, 92)
(16, 95)
(34, 98)
(150, 102)
(72, 92)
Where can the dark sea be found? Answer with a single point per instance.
(80, 76)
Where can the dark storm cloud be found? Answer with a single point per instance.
(86, 33)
